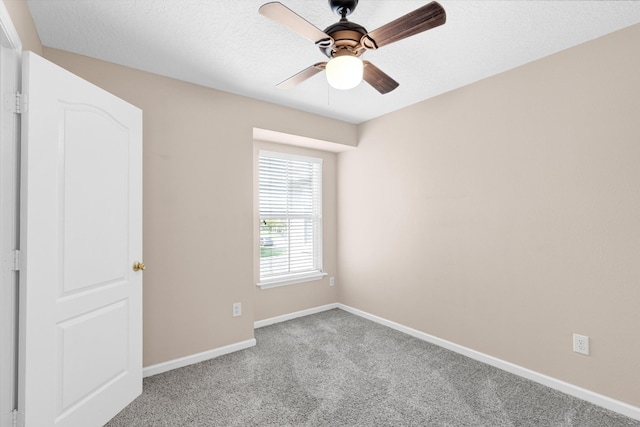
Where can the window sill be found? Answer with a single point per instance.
(291, 280)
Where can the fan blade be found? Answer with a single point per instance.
(422, 19)
(302, 76)
(378, 79)
(280, 13)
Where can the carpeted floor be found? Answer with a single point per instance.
(337, 369)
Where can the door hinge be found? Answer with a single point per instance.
(20, 103)
(17, 419)
(14, 260)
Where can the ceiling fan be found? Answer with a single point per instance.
(344, 42)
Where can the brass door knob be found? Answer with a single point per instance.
(137, 266)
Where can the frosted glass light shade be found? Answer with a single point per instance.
(344, 72)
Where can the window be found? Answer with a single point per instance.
(290, 209)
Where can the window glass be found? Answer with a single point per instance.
(290, 208)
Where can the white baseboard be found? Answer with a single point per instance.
(290, 316)
(196, 358)
(570, 389)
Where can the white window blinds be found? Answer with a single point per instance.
(290, 204)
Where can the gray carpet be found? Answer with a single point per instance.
(337, 369)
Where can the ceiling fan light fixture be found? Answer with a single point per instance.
(344, 72)
(344, 41)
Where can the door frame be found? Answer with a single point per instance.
(10, 65)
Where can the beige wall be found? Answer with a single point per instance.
(274, 302)
(198, 205)
(505, 216)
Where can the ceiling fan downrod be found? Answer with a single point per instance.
(343, 8)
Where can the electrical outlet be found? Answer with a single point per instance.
(581, 344)
(332, 281)
(237, 309)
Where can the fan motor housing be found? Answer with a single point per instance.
(346, 36)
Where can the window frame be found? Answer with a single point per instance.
(297, 277)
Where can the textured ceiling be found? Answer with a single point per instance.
(227, 45)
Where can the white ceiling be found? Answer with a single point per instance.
(227, 45)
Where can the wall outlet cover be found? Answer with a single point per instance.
(237, 309)
(581, 344)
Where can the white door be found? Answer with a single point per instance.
(80, 331)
